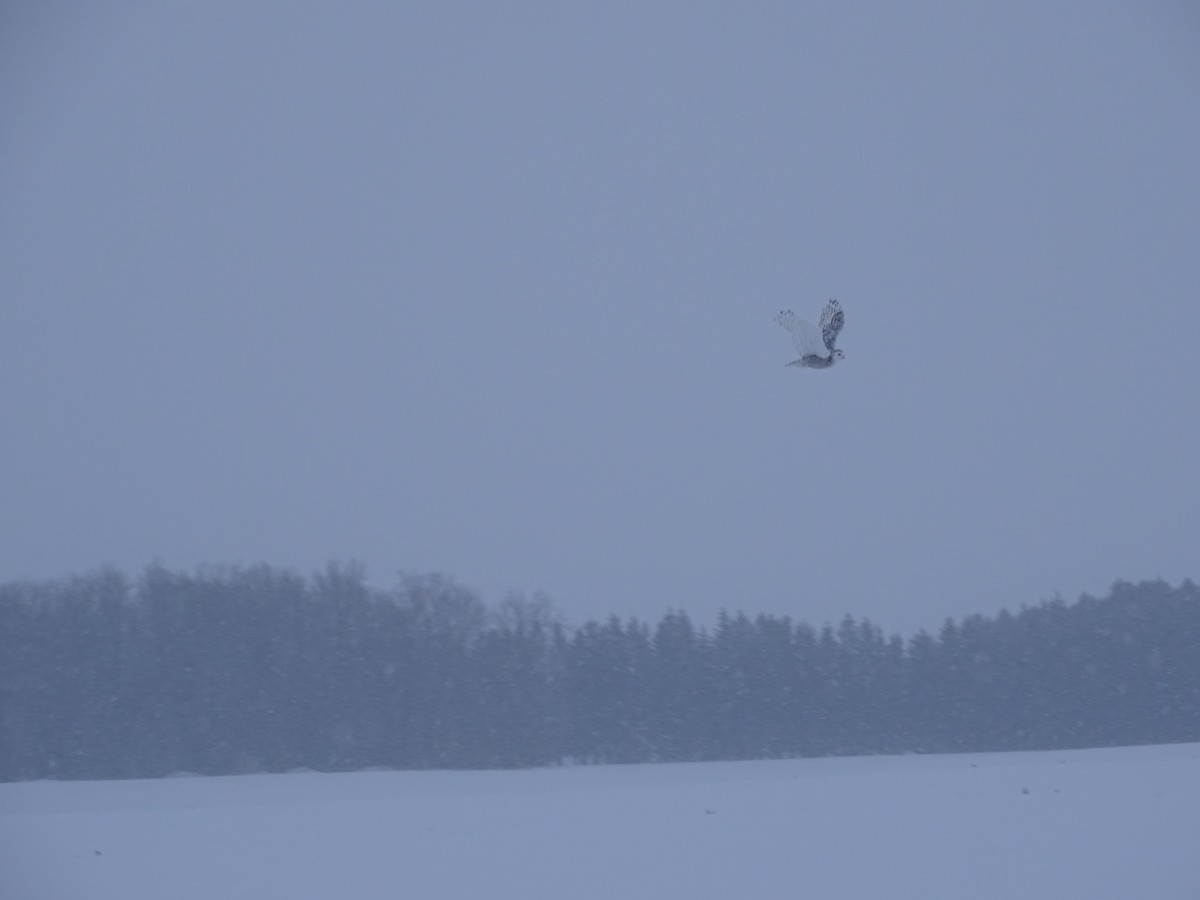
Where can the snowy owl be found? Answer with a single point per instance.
(816, 348)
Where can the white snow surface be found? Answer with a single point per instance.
(1094, 824)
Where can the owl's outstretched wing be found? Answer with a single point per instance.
(832, 320)
(805, 336)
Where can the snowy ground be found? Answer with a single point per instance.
(1120, 824)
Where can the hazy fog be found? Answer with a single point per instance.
(488, 289)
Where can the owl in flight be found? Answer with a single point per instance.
(816, 346)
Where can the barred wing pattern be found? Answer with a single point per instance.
(832, 320)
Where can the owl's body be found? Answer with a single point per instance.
(817, 348)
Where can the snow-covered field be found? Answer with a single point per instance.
(1117, 823)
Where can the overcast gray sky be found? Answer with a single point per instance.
(488, 289)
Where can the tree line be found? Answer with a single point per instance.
(254, 669)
